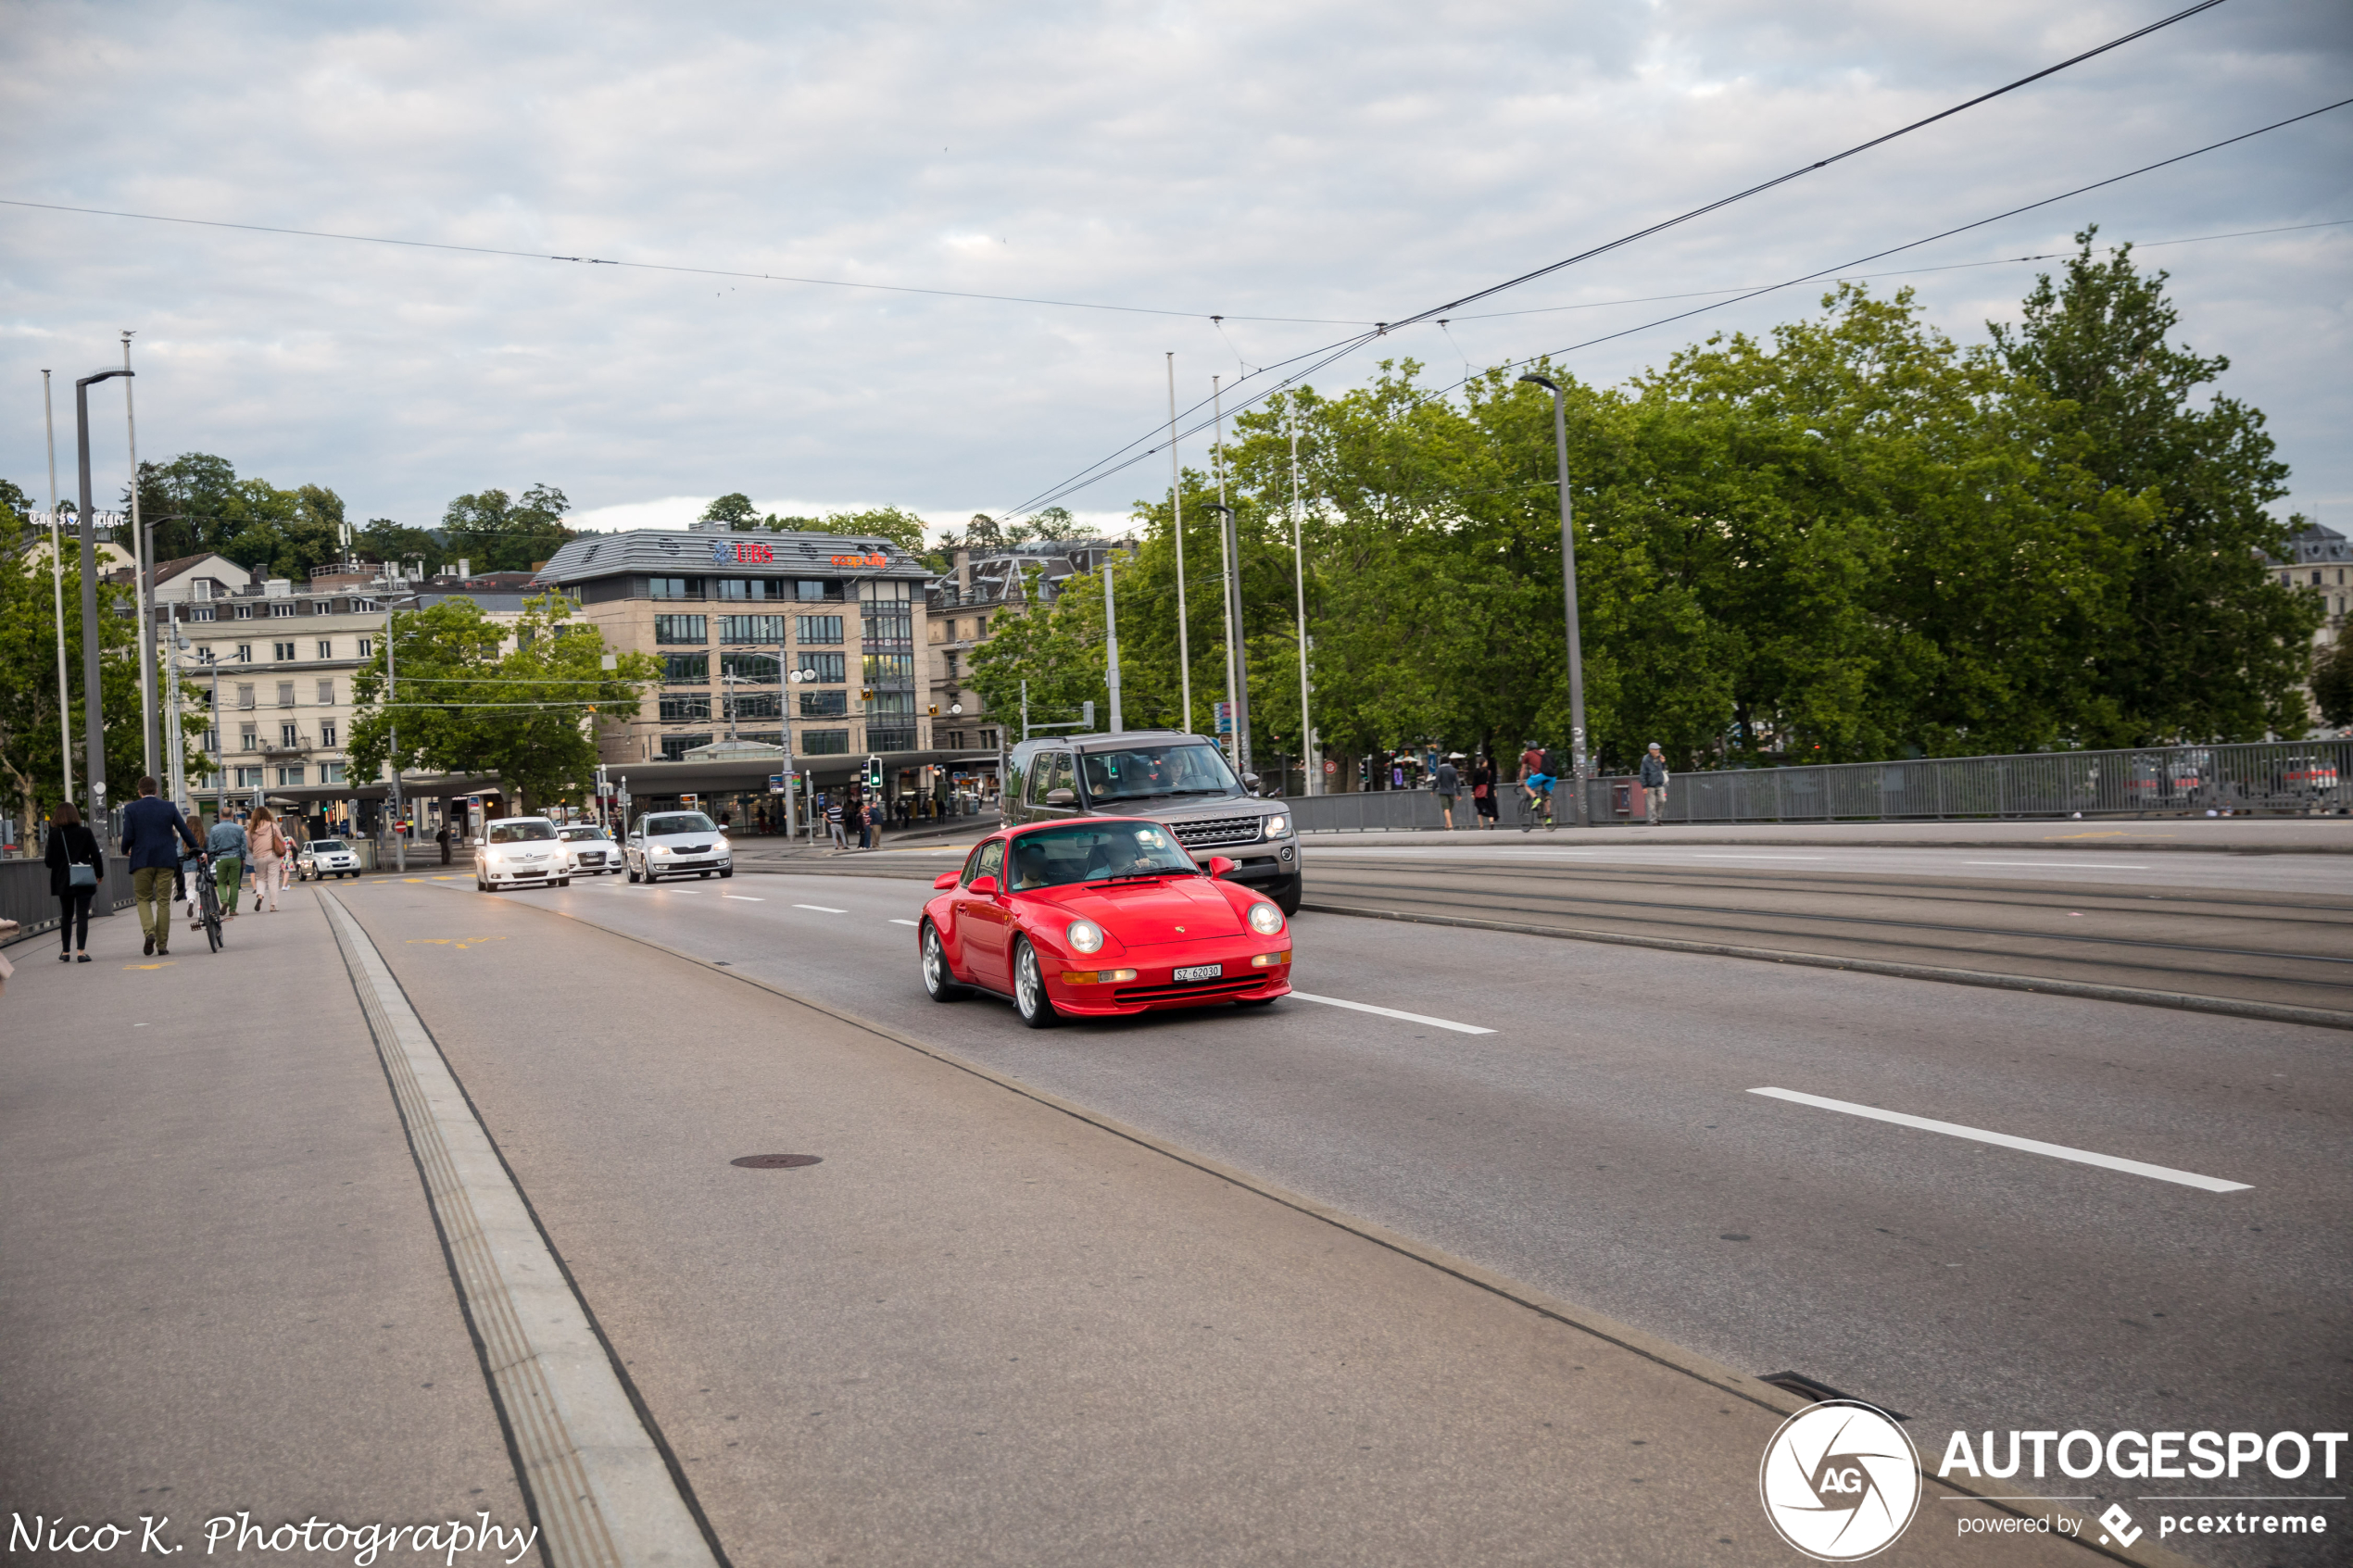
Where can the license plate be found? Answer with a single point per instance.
(1200, 971)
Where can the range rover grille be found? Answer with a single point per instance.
(1219, 830)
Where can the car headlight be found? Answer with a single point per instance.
(1085, 936)
(1279, 826)
(1265, 920)
(660, 850)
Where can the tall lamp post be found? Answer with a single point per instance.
(93, 718)
(392, 701)
(1237, 669)
(1568, 591)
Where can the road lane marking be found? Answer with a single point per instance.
(743, 898)
(1392, 1013)
(2063, 865)
(821, 908)
(2031, 1145)
(602, 1489)
(896, 920)
(1696, 856)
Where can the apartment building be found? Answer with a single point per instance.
(2320, 562)
(732, 616)
(967, 607)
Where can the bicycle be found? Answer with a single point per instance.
(207, 901)
(1540, 809)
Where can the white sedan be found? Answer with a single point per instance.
(323, 858)
(520, 851)
(589, 849)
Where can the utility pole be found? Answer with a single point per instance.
(1177, 506)
(94, 716)
(1231, 555)
(1025, 710)
(58, 589)
(1110, 646)
(1309, 762)
(1568, 591)
(141, 565)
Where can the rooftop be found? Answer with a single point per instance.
(669, 550)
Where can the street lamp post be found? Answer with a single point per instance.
(93, 718)
(1309, 764)
(1110, 646)
(392, 702)
(58, 589)
(1237, 667)
(141, 565)
(1568, 592)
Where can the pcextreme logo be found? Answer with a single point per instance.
(1840, 1481)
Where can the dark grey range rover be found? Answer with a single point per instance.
(1171, 777)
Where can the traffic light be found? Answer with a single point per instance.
(874, 774)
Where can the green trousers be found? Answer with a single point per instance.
(227, 874)
(151, 890)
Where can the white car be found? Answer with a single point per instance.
(323, 858)
(520, 851)
(589, 849)
(677, 844)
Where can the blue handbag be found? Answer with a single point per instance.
(80, 875)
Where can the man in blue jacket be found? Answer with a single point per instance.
(152, 832)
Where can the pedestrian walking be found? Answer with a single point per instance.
(1655, 786)
(268, 842)
(1483, 793)
(834, 825)
(442, 838)
(75, 866)
(1448, 784)
(226, 844)
(153, 835)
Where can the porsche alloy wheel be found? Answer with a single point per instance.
(1030, 1000)
(940, 980)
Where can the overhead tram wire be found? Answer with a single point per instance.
(1089, 477)
(1383, 329)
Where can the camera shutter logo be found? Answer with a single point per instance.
(1840, 1481)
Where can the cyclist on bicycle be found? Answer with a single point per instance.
(1540, 799)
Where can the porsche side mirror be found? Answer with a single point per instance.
(943, 882)
(1219, 865)
(984, 885)
(1062, 798)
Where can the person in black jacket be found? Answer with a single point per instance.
(72, 844)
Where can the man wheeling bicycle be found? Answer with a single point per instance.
(152, 832)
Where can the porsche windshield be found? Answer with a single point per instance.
(1146, 771)
(1096, 852)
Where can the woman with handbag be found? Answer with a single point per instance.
(75, 864)
(268, 842)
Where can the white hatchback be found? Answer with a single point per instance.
(520, 851)
(677, 844)
(323, 858)
(588, 850)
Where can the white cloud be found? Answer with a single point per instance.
(1357, 161)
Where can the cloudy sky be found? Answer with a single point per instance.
(1295, 167)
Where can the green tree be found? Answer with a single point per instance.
(475, 698)
(2332, 683)
(196, 503)
(2209, 647)
(493, 532)
(735, 511)
(32, 728)
(384, 540)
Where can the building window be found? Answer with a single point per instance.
(824, 705)
(326, 694)
(282, 652)
(759, 705)
(367, 648)
(751, 628)
(891, 702)
(682, 629)
(211, 740)
(244, 695)
(250, 778)
(327, 734)
(200, 612)
(326, 647)
(288, 737)
(248, 737)
(286, 694)
(244, 653)
(989, 740)
(674, 587)
(829, 668)
(685, 709)
(686, 669)
(675, 747)
(746, 588)
(761, 669)
(817, 628)
(809, 589)
(895, 671)
(331, 772)
(283, 608)
(825, 743)
(290, 776)
(244, 612)
(203, 587)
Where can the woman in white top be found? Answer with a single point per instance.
(270, 847)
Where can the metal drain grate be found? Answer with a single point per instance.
(1805, 1387)
(775, 1162)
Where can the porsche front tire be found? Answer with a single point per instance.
(939, 981)
(1030, 1000)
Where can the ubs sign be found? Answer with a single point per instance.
(741, 552)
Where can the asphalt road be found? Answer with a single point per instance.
(1584, 1117)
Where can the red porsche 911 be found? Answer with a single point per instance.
(1097, 917)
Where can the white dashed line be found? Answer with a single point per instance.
(2063, 865)
(821, 908)
(2031, 1145)
(743, 898)
(896, 920)
(1392, 1013)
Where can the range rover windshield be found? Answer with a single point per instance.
(1144, 771)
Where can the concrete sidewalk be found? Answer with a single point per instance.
(220, 1289)
(988, 1328)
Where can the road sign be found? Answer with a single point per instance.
(1225, 717)
(776, 784)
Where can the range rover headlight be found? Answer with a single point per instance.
(1278, 825)
(1265, 920)
(1085, 936)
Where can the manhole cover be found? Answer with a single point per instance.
(774, 1161)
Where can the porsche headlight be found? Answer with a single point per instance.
(1278, 825)
(1265, 920)
(1085, 936)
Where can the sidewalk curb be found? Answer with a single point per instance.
(2083, 990)
(602, 1487)
(1651, 1348)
